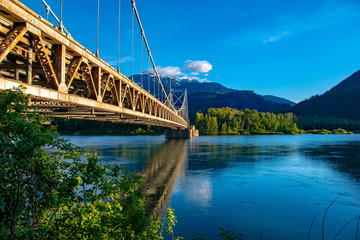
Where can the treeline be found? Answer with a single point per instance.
(230, 121)
(93, 127)
(311, 123)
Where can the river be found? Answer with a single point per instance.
(264, 187)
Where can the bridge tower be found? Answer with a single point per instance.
(181, 104)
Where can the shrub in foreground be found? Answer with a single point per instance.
(51, 189)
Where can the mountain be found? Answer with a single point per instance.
(204, 95)
(235, 99)
(278, 100)
(195, 87)
(175, 83)
(342, 101)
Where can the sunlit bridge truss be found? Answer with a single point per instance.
(64, 79)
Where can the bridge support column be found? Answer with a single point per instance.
(16, 72)
(194, 132)
(29, 66)
(60, 51)
(171, 133)
(96, 74)
(186, 133)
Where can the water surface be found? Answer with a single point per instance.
(276, 183)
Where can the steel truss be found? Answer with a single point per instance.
(64, 79)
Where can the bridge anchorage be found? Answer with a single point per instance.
(64, 79)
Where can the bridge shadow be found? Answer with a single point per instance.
(164, 167)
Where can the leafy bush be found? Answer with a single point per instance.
(52, 189)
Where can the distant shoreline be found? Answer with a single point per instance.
(309, 132)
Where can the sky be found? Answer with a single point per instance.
(290, 49)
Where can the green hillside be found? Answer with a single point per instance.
(342, 101)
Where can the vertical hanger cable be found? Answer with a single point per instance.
(118, 66)
(97, 30)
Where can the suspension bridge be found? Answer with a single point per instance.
(64, 79)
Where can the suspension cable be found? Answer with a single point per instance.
(97, 30)
(132, 44)
(47, 13)
(149, 52)
(118, 66)
(154, 87)
(48, 9)
(148, 74)
(142, 53)
(60, 22)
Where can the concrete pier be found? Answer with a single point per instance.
(186, 133)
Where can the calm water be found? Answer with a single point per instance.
(246, 183)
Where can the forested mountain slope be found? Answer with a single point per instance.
(205, 95)
(342, 101)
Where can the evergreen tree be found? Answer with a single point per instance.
(224, 128)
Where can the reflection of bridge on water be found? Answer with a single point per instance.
(160, 175)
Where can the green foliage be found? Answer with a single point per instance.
(197, 236)
(316, 131)
(171, 220)
(52, 189)
(229, 235)
(311, 123)
(245, 122)
(340, 131)
(248, 122)
(226, 235)
(325, 131)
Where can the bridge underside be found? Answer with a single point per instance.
(56, 104)
(66, 80)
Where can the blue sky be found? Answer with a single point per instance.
(291, 49)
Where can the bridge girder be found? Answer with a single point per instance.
(64, 79)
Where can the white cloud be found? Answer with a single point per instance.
(277, 37)
(194, 79)
(125, 59)
(169, 71)
(204, 80)
(199, 70)
(113, 62)
(194, 73)
(198, 66)
(189, 78)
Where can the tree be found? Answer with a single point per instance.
(213, 126)
(52, 189)
(200, 121)
(224, 128)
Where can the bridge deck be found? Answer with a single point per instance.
(67, 80)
